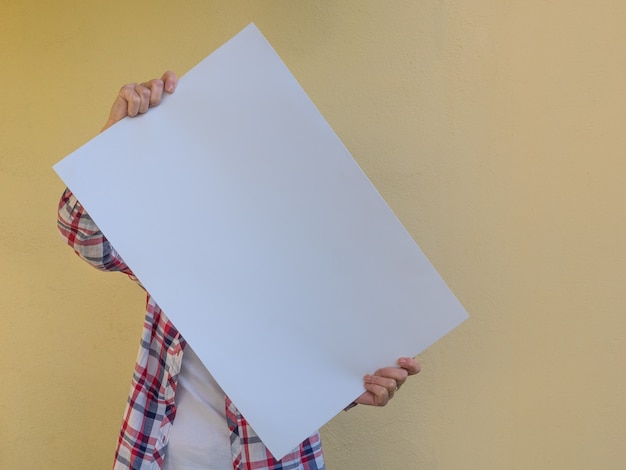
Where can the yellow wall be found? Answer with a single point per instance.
(494, 129)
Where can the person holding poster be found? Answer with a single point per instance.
(177, 416)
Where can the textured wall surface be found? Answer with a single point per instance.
(496, 133)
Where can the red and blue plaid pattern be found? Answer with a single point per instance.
(150, 409)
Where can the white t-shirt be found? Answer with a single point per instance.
(199, 438)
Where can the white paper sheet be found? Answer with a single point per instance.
(246, 218)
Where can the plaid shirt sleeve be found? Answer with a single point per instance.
(82, 234)
(151, 408)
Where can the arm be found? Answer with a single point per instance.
(76, 227)
(82, 235)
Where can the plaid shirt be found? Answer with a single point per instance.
(150, 409)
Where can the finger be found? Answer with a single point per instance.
(397, 374)
(126, 104)
(411, 365)
(377, 395)
(375, 384)
(366, 398)
(155, 87)
(144, 98)
(170, 81)
(128, 98)
(372, 399)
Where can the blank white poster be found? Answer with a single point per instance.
(246, 218)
